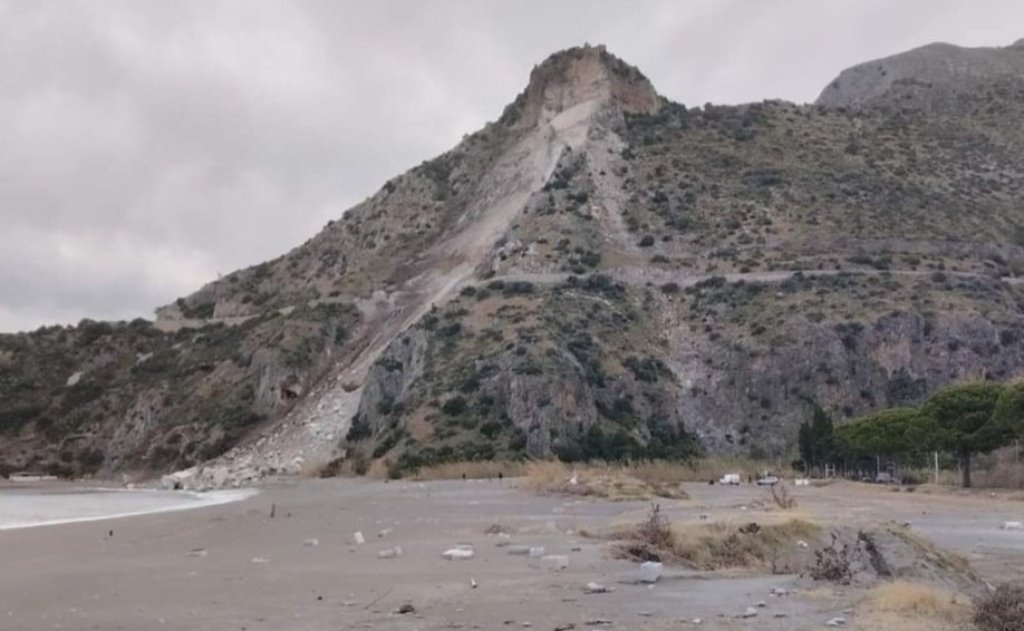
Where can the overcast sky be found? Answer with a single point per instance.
(148, 146)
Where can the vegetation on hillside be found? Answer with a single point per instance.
(129, 396)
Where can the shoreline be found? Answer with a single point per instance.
(35, 510)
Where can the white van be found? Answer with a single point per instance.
(731, 479)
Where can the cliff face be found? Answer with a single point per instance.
(599, 273)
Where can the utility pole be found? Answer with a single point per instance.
(936, 467)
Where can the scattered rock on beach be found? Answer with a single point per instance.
(554, 562)
(459, 553)
(390, 553)
(650, 571)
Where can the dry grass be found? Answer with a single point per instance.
(781, 497)
(634, 480)
(722, 545)
(912, 607)
(1002, 469)
(615, 482)
(704, 469)
(913, 599)
(487, 469)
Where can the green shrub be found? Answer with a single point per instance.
(358, 430)
(454, 406)
(648, 369)
(490, 429)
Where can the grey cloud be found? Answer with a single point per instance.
(147, 146)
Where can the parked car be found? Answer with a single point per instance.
(768, 480)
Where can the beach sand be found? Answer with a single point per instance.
(233, 566)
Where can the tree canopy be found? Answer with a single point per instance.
(889, 433)
(963, 419)
(959, 418)
(1009, 413)
(815, 439)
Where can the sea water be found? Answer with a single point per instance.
(44, 506)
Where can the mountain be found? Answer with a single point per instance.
(599, 273)
(936, 77)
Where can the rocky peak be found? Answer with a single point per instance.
(582, 77)
(929, 78)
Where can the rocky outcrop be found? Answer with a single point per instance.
(743, 398)
(585, 78)
(390, 381)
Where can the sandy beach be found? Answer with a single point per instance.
(234, 566)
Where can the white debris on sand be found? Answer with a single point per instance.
(458, 553)
(595, 588)
(358, 537)
(650, 571)
(390, 553)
